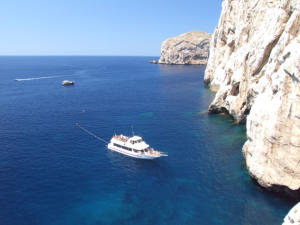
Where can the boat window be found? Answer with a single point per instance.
(123, 147)
(126, 148)
(137, 141)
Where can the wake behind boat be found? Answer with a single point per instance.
(133, 147)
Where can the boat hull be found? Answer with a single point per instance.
(131, 154)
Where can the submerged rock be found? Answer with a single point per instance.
(188, 48)
(254, 65)
(293, 217)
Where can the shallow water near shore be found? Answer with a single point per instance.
(53, 173)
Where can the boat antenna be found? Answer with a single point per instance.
(132, 131)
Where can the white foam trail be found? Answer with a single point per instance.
(35, 78)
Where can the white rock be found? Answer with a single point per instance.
(254, 64)
(293, 217)
(188, 48)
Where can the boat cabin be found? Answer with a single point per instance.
(135, 143)
(135, 140)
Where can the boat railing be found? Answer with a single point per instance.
(148, 151)
(153, 152)
(121, 138)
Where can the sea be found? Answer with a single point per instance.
(53, 173)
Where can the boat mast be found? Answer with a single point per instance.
(132, 131)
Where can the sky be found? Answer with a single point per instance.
(100, 27)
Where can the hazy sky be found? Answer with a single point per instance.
(100, 27)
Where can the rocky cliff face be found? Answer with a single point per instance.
(188, 48)
(254, 65)
(293, 217)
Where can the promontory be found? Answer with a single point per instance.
(188, 48)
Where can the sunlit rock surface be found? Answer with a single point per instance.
(254, 65)
(293, 217)
(188, 48)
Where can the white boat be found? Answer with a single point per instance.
(133, 147)
(67, 82)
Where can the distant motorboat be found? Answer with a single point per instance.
(67, 82)
(153, 61)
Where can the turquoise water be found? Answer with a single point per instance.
(52, 173)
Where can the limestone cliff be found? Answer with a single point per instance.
(254, 65)
(293, 217)
(188, 48)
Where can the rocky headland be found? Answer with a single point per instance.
(188, 48)
(254, 67)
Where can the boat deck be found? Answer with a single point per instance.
(121, 138)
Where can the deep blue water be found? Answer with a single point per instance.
(52, 173)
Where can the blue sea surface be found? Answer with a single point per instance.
(53, 173)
